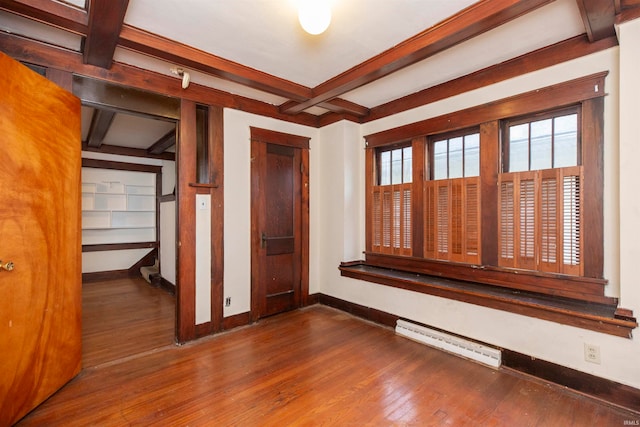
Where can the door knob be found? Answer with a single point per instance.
(6, 266)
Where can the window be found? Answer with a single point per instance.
(493, 198)
(553, 198)
(452, 198)
(456, 157)
(540, 198)
(203, 174)
(394, 166)
(391, 201)
(542, 143)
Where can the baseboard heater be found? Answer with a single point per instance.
(450, 343)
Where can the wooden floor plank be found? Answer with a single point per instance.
(124, 317)
(316, 366)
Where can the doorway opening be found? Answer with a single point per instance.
(128, 220)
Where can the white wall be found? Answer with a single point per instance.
(629, 38)
(237, 203)
(203, 260)
(337, 218)
(560, 344)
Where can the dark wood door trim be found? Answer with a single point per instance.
(304, 235)
(259, 140)
(216, 159)
(279, 138)
(186, 250)
(258, 163)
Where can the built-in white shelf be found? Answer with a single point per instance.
(122, 210)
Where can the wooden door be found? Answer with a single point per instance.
(279, 215)
(40, 306)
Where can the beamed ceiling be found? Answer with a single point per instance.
(377, 58)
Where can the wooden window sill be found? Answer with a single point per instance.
(605, 318)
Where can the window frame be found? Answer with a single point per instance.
(432, 139)
(533, 117)
(389, 233)
(586, 91)
(451, 205)
(378, 162)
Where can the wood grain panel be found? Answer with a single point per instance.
(40, 325)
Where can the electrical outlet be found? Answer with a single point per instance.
(592, 353)
(227, 302)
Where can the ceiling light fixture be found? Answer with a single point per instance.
(184, 74)
(314, 15)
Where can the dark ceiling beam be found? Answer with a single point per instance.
(40, 53)
(628, 14)
(343, 106)
(126, 151)
(77, 21)
(49, 12)
(162, 144)
(627, 4)
(100, 124)
(599, 17)
(470, 22)
(547, 56)
(489, 13)
(195, 59)
(105, 22)
(338, 105)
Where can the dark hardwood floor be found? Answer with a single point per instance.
(124, 317)
(315, 366)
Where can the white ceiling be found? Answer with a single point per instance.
(265, 35)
